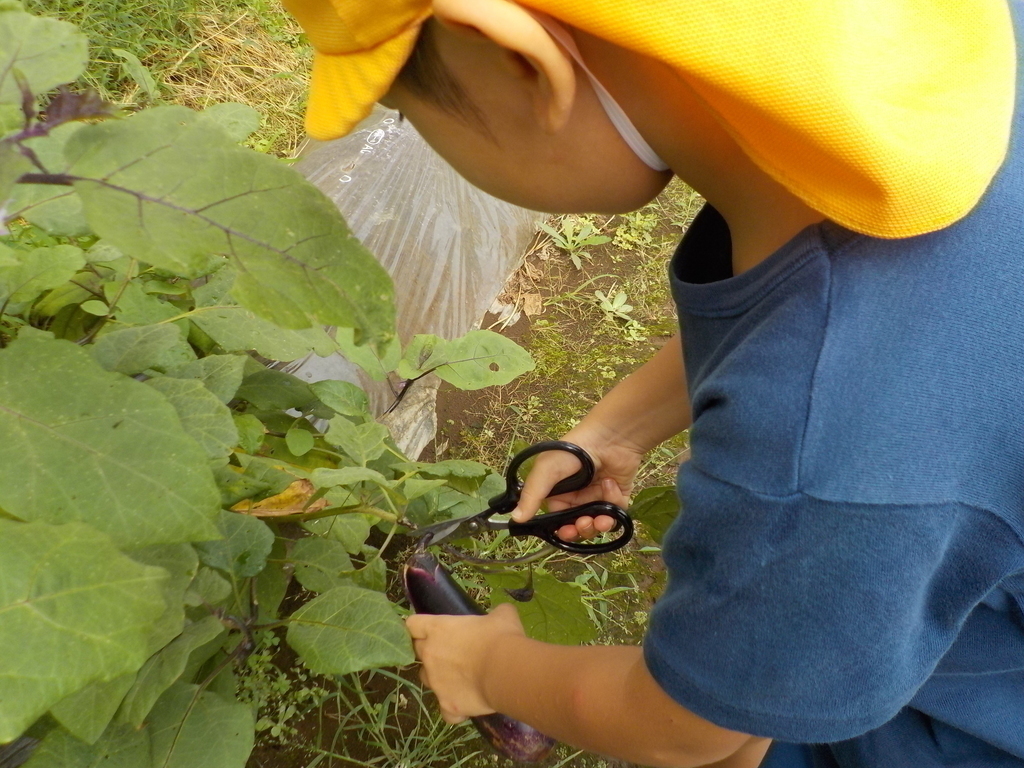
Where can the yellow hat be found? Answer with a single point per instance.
(360, 46)
(889, 117)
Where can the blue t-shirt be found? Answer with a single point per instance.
(848, 570)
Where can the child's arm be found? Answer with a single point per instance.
(648, 406)
(598, 698)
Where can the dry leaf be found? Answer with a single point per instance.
(533, 304)
(291, 501)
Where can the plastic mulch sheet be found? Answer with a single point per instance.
(448, 246)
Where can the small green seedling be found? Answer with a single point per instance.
(614, 307)
(576, 234)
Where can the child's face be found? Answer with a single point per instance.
(514, 152)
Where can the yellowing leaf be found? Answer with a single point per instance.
(292, 500)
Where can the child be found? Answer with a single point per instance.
(847, 578)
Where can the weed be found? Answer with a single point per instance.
(636, 231)
(614, 306)
(276, 697)
(398, 729)
(617, 311)
(576, 234)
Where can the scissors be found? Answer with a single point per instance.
(545, 526)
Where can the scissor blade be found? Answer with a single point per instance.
(458, 528)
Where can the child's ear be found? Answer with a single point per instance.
(530, 53)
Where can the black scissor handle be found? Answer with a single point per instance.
(507, 501)
(545, 527)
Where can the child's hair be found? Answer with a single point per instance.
(426, 76)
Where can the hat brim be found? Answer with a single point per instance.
(344, 88)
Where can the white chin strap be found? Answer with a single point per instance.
(616, 114)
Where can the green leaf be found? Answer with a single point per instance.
(250, 432)
(136, 307)
(138, 72)
(12, 165)
(272, 583)
(299, 441)
(271, 390)
(361, 442)
(205, 418)
(26, 274)
(207, 587)
(134, 350)
(377, 362)
(238, 121)
(373, 575)
(28, 332)
(342, 397)
(656, 508)
(95, 307)
(46, 52)
(272, 471)
(11, 119)
(120, 747)
(102, 252)
(347, 476)
(221, 374)
(164, 288)
(321, 564)
(483, 359)
(87, 712)
(347, 629)
(84, 444)
(556, 614)
(53, 208)
(237, 329)
(478, 359)
(423, 353)
(243, 550)
(463, 476)
(162, 670)
(182, 563)
(449, 468)
(351, 529)
(413, 488)
(67, 594)
(190, 728)
(164, 187)
(235, 486)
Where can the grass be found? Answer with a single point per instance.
(200, 52)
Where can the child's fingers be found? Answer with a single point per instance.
(589, 527)
(586, 528)
(566, 500)
(548, 469)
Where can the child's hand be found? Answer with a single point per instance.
(456, 651)
(616, 466)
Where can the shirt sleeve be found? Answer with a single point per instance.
(813, 621)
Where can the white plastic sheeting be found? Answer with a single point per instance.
(448, 246)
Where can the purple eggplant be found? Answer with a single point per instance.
(431, 589)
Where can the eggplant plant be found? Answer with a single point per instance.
(160, 485)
